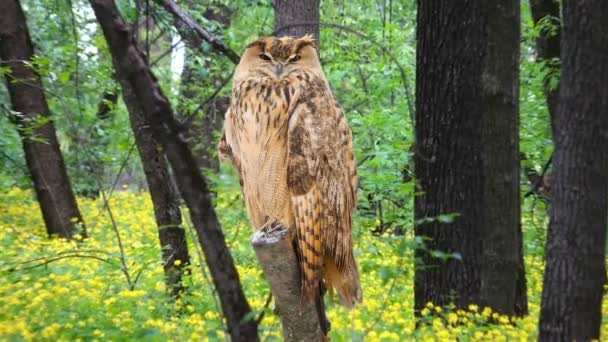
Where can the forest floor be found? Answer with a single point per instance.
(55, 290)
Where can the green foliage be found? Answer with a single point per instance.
(535, 132)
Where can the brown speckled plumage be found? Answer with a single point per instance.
(291, 144)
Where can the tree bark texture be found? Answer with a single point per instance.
(467, 158)
(33, 119)
(130, 63)
(502, 251)
(575, 267)
(448, 158)
(275, 252)
(171, 234)
(290, 14)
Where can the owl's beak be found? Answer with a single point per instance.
(279, 70)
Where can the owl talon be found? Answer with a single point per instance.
(271, 226)
(274, 227)
(265, 226)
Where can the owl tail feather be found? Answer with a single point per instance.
(346, 283)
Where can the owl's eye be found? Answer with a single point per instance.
(294, 59)
(264, 57)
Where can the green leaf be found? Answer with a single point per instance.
(64, 77)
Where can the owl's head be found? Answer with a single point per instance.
(276, 58)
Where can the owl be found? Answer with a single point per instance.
(289, 140)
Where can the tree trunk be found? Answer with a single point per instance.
(521, 286)
(43, 155)
(449, 151)
(467, 158)
(575, 268)
(130, 63)
(502, 252)
(171, 234)
(297, 18)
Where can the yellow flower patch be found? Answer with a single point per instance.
(52, 290)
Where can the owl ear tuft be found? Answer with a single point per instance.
(261, 43)
(306, 40)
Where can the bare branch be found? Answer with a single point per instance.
(48, 261)
(201, 33)
(123, 256)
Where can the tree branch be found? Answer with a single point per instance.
(201, 33)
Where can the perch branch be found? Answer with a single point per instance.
(275, 253)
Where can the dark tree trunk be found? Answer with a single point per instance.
(171, 234)
(297, 18)
(575, 268)
(502, 252)
(130, 63)
(448, 157)
(521, 286)
(43, 156)
(467, 158)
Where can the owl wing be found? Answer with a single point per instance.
(322, 179)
